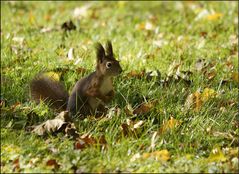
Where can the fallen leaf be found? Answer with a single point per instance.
(70, 54)
(162, 155)
(58, 124)
(197, 99)
(131, 127)
(87, 140)
(225, 135)
(32, 18)
(233, 39)
(229, 64)
(52, 163)
(46, 30)
(214, 16)
(203, 34)
(200, 64)
(211, 75)
(136, 74)
(145, 26)
(82, 12)
(216, 155)
(160, 43)
(144, 108)
(53, 75)
(201, 14)
(234, 77)
(207, 94)
(169, 125)
(151, 74)
(79, 144)
(19, 40)
(138, 124)
(81, 70)
(16, 165)
(135, 157)
(16, 105)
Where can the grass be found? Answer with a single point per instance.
(187, 40)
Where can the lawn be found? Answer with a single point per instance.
(175, 104)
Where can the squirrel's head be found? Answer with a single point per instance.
(106, 62)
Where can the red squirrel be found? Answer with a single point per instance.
(89, 94)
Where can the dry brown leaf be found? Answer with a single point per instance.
(229, 64)
(169, 125)
(14, 106)
(131, 127)
(210, 75)
(136, 74)
(16, 165)
(144, 108)
(58, 124)
(87, 140)
(52, 163)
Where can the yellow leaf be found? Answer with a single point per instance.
(170, 124)
(235, 77)
(207, 93)
(214, 16)
(121, 4)
(31, 18)
(216, 155)
(53, 75)
(162, 155)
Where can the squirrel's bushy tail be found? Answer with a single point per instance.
(50, 91)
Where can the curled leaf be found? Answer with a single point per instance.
(58, 124)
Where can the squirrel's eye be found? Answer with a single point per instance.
(108, 64)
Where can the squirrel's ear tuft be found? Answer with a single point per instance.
(109, 49)
(100, 52)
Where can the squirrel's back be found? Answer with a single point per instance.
(50, 91)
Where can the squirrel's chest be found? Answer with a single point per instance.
(106, 86)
